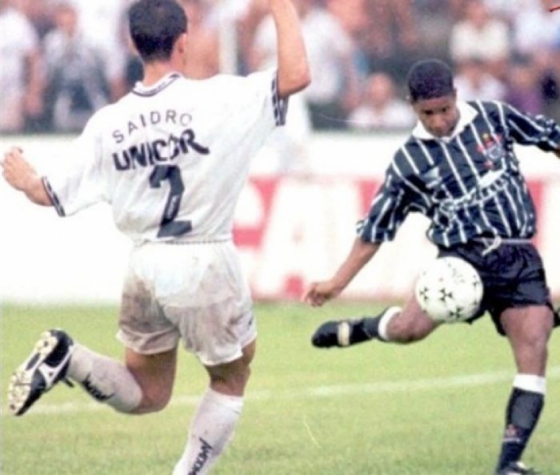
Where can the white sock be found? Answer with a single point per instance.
(389, 314)
(104, 379)
(530, 382)
(211, 430)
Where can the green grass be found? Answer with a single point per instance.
(369, 410)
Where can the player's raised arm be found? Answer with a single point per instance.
(293, 67)
(21, 176)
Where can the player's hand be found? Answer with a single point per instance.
(320, 292)
(16, 170)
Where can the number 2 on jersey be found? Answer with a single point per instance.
(169, 227)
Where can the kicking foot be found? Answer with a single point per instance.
(341, 333)
(46, 365)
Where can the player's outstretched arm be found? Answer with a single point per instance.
(21, 176)
(293, 68)
(320, 292)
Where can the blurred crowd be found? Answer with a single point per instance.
(63, 59)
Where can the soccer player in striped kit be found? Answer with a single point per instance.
(171, 158)
(459, 169)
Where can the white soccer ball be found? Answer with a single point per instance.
(449, 290)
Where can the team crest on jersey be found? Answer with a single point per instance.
(492, 149)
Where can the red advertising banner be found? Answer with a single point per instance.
(291, 231)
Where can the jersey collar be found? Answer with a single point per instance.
(467, 114)
(149, 91)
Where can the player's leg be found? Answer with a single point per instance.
(56, 357)
(142, 385)
(217, 414)
(406, 325)
(212, 311)
(155, 375)
(528, 330)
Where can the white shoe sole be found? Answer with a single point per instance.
(19, 389)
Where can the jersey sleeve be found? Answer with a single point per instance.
(76, 182)
(257, 95)
(527, 129)
(393, 201)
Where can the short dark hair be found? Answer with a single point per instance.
(155, 26)
(430, 79)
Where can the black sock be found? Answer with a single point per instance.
(365, 329)
(368, 329)
(522, 414)
(371, 326)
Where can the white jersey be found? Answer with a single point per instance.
(172, 158)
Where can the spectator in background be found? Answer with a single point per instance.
(39, 13)
(523, 88)
(534, 27)
(536, 37)
(475, 83)
(203, 51)
(101, 22)
(248, 25)
(380, 107)
(479, 36)
(334, 90)
(351, 14)
(504, 10)
(391, 39)
(76, 81)
(21, 84)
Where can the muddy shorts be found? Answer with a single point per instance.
(190, 292)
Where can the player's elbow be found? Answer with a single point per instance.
(294, 81)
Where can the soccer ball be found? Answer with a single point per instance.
(449, 290)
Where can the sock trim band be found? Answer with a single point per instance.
(530, 382)
(384, 321)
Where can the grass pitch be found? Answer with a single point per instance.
(433, 408)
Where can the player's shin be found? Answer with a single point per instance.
(522, 414)
(211, 430)
(105, 379)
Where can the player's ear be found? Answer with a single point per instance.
(131, 45)
(182, 43)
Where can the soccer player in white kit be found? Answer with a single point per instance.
(171, 158)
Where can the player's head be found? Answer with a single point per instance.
(433, 96)
(155, 26)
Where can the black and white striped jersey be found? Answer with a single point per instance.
(469, 184)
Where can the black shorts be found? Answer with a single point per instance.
(513, 276)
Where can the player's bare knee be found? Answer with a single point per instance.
(231, 381)
(153, 401)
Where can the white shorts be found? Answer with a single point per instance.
(194, 292)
